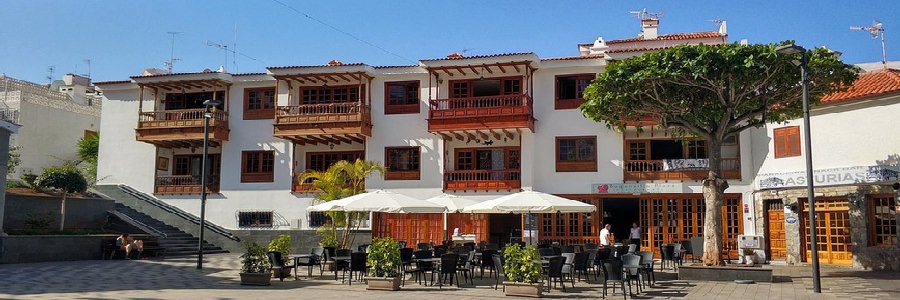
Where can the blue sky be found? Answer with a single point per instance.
(121, 38)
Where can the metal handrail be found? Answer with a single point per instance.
(121, 215)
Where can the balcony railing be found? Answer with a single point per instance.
(11, 116)
(195, 114)
(315, 113)
(656, 170)
(484, 106)
(184, 184)
(483, 179)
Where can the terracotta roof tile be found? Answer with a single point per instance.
(247, 74)
(574, 57)
(394, 67)
(480, 56)
(641, 49)
(112, 82)
(172, 74)
(319, 66)
(873, 83)
(671, 37)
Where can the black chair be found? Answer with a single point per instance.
(492, 246)
(647, 263)
(440, 250)
(309, 261)
(632, 248)
(402, 244)
(590, 246)
(668, 255)
(696, 248)
(591, 261)
(632, 265)
(341, 265)
(327, 257)
(555, 270)
(363, 248)
(406, 257)
(544, 252)
(448, 269)
(620, 250)
(602, 254)
(580, 265)
(419, 271)
(280, 269)
(614, 272)
(486, 262)
(466, 265)
(498, 263)
(357, 266)
(686, 249)
(568, 249)
(556, 250)
(470, 244)
(423, 246)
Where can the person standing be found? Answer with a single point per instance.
(604, 236)
(635, 235)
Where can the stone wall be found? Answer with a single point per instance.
(81, 213)
(864, 256)
(302, 240)
(39, 248)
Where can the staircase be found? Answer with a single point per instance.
(175, 241)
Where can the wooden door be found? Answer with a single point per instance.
(832, 231)
(775, 229)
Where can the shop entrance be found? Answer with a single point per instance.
(832, 231)
(620, 213)
(775, 230)
(505, 228)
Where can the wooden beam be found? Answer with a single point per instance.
(508, 133)
(329, 76)
(444, 136)
(448, 72)
(473, 70)
(461, 71)
(487, 68)
(470, 135)
(495, 134)
(356, 138)
(458, 136)
(482, 135)
(341, 138)
(502, 69)
(517, 68)
(344, 77)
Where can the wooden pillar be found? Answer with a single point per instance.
(141, 101)
(276, 92)
(369, 92)
(359, 88)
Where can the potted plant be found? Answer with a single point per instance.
(748, 256)
(255, 267)
(384, 263)
(281, 243)
(523, 270)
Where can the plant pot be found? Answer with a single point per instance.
(383, 283)
(522, 289)
(256, 278)
(748, 260)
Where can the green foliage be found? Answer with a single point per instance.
(341, 180)
(66, 178)
(327, 237)
(384, 257)
(522, 264)
(88, 149)
(12, 184)
(281, 243)
(38, 221)
(255, 259)
(711, 91)
(15, 158)
(31, 181)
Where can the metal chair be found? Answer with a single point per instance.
(555, 270)
(614, 272)
(466, 265)
(280, 269)
(632, 248)
(544, 252)
(602, 254)
(308, 261)
(423, 246)
(568, 249)
(696, 248)
(406, 257)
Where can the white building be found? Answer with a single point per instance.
(482, 126)
(52, 119)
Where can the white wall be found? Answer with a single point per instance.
(49, 136)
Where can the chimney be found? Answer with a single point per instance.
(649, 28)
(335, 62)
(455, 55)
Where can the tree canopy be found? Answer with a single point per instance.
(712, 90)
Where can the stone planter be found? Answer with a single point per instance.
(521, 289)
(256, 278)
(383, 283)
(725, 273)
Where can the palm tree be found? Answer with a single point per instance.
(341, 180)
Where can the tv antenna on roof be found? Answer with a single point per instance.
(225, 49)
(50, 70)
(643, 14)
(875, 30)
(170, 64)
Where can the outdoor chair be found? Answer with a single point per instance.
(591, 246)
(676, 255)
(423, 246)
(568, 249)
(592, 258)
(632, 265)
(448, 269)
(567, 267)
(357, 267)
(668, 255)
(580, 265)
(467, 267)
(419, 270)
(309, 261)
(620, 250)
(327, 259)
(280, 269)
(696, 248)
(406, 257)
(343, 264)
(555, 270)
(486, 262)
(614, 272)
(556, 250)
(363, 248)
(439, 250)
(470, 244)
(602, 254)
(491, 246)
(544, 252)
(686, 249)
(498, 263)
(647, 263)
(632, 248)
(402, 244)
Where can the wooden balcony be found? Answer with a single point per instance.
(482, 180)
(654, 170)
(181, 128)
(474, 113)
(324, 123)
(183, 185)
(297, 187)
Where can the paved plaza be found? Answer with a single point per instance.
(178, 278)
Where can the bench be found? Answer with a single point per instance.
(151, 246)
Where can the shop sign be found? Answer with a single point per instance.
(636, 188)
(791, 220)
(833, 176)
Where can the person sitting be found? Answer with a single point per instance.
(128, 244)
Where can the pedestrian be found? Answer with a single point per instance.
(605, 237)
(635, 235)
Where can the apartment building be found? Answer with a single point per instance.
(479, 126)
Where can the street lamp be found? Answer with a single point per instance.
(792, 49)
(208, 104)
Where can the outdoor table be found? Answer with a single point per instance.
(337, 259)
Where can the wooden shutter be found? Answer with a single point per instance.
(787, 141)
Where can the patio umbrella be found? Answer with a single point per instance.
(379, 201)
(453, 203)
(530, 202)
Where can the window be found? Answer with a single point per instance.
(317, 219)
(696, 149)
(401, 97)
(259, 103)
(255, 219)
(258, 166)
(882, 220)
(402, 163)
(191, 100)
(570, 90)
(576, 154)
(321, 161)
(330, 94)
(787, 141)
(189, 165)
(637, 150)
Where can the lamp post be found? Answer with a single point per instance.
(810, 192)
(208, 104)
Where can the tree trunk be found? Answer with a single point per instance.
(713, 192)
(62, 212)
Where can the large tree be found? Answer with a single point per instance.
(711, 92)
